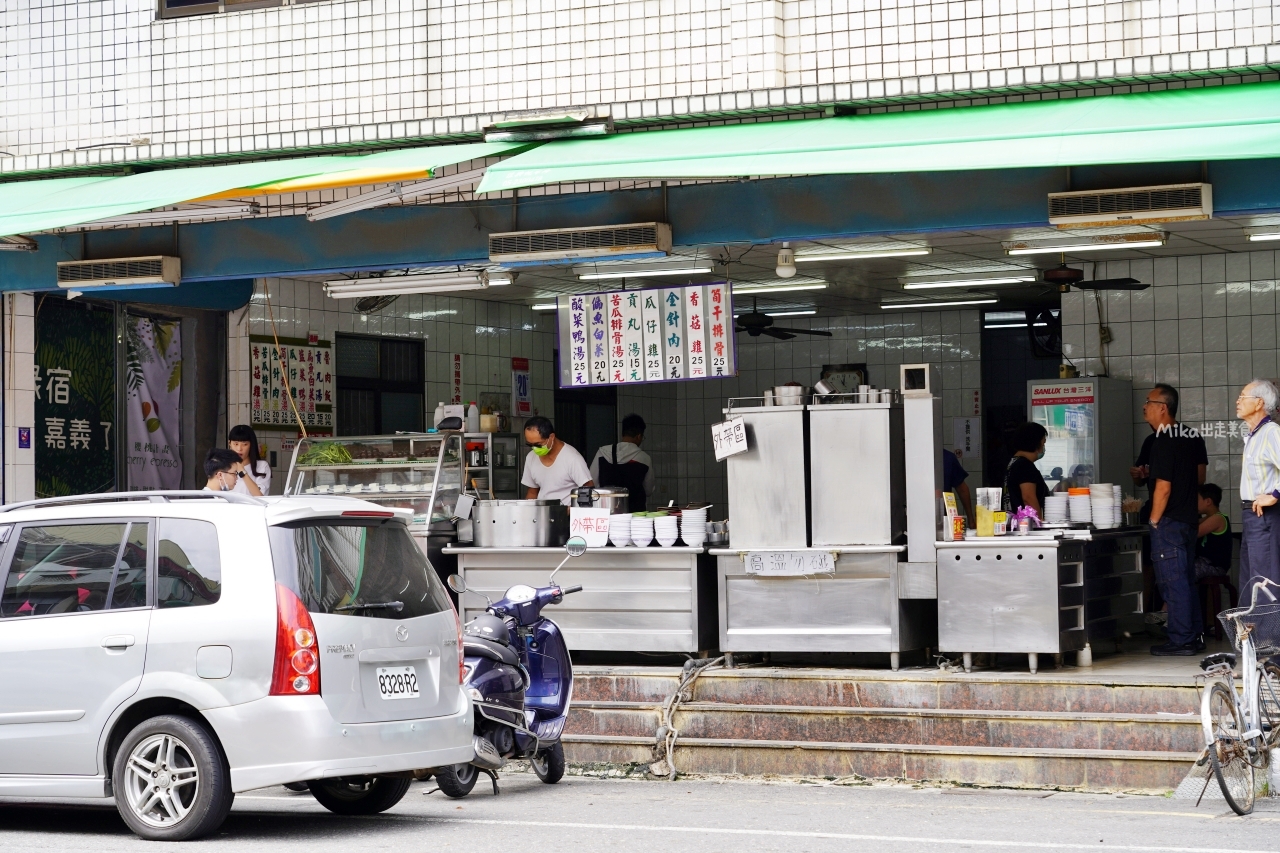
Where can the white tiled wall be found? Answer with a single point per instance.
(488, 334)
(1207, 326)
(19, 395)
(84, 76)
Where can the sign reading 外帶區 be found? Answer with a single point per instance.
(310, 378)
(633, 336)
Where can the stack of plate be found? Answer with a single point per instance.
(1102, 505)
(620, 529)
(1078, 504)
(693, 527)
(666, 529)
(641, 530)
(1055, 509)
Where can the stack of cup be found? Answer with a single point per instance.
(1117, 495)
(1102, 506)
(693, 527)
(620, 529)
(641, 530)
(666, 529)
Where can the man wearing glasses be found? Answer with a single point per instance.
(553, 469)
(1259, 484)
(1178, 463)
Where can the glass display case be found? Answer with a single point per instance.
(423, 471)
(1089, 423)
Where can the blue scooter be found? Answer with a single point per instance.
(520, 680)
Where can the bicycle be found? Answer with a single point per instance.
(1242, 730)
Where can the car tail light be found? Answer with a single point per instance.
(297, 666)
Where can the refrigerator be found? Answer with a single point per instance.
(1090, 426)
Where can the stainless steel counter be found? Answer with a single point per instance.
(860, 607)
(1037, 595)
(633, 599)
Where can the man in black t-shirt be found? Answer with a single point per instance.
(1175, 471)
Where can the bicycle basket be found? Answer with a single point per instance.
(1265, 619)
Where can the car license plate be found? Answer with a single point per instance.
(398, 682)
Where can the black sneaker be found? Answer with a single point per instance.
(1171, 650)
(1200, 644)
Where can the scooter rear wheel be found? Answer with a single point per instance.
(457, 780)
(549, 764)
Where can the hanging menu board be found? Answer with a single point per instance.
(310, 377)
(632, 336)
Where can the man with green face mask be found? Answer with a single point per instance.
(553, 469)
(1023, 483)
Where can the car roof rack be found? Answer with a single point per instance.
(164, 496)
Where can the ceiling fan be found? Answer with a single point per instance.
(1066, 277)
(756, 324)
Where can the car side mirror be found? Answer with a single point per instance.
(576, 547)
(457, 584)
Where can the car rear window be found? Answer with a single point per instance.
(356, 569)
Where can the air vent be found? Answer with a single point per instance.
(119, 272)
(1170, 203)
(561, 244)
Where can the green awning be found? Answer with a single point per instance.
(32, 206)
(1211, 123)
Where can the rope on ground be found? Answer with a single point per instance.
(664, 762)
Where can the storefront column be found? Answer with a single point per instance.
(19, 396)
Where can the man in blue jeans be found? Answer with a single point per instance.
(1176, 456)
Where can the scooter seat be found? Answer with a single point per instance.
(480, 647)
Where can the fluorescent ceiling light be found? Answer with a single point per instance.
(545, 306)
(1007, 325)
(394, 193)
(789, 313)
(1271, 232)
(589, 272)
(163, 217)
(1109, 242)
(778, 288)
(396, 285)
(893, 305)
(853, 255)
(985, 280)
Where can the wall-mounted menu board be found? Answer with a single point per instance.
(311, 372)
(659, 335)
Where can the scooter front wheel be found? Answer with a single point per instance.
(549, 764)
(457, 780)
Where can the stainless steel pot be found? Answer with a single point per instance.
(520, 524)
(606, 497)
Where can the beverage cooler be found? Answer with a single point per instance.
(1090, 425)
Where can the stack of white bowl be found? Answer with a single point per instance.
(1117, 496)
(1081, 511)
(1055, 509)
(666, 529)
(693, 527)
(641, 530)
(1102, 505)
(620, 529)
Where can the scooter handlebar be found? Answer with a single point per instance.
(569, 589)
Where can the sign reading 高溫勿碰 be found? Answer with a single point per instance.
(659, 335)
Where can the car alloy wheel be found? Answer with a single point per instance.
(161, 780)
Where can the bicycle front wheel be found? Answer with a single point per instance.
(1229, 754)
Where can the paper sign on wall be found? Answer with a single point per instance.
(789, 564)
(455, 379)
(521, 388)
(729, 438)
(591, 524)
(968, 432)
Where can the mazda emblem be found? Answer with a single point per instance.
(402, 633)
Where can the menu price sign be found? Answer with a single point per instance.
(789, 564)
(635, 336)
(729, 438)
(310, 378)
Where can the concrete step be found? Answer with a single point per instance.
(1074, 769)
(954, 727)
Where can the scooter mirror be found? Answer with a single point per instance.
(457, 584)
(577, 546)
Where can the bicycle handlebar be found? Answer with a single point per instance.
(1261, 585)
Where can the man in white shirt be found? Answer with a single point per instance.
(553, 469)
(1259, 485)
(625, 465)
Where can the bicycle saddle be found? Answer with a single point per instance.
(1216, 658)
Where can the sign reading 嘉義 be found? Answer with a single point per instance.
(658, 335)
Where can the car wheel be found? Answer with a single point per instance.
(359, 795)
(171, 780)
(457, 780)
(549, 764)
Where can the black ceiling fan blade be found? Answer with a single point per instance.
(1112, 284)
(780, 334)
(803, 331)
(740, 328)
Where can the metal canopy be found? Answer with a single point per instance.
(1209, 123)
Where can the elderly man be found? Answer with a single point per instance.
(1259, 484)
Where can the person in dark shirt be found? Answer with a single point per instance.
(953, 480)
(1175, 457)
(1141, 470)
(1213, 536)
(1023, 484)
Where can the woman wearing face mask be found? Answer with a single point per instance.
(1023, 485)
(253, 474)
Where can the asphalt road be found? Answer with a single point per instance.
(687, 816)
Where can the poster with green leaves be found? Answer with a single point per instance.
(153, 379)
(75, 378)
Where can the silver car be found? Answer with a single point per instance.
(172, 649)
